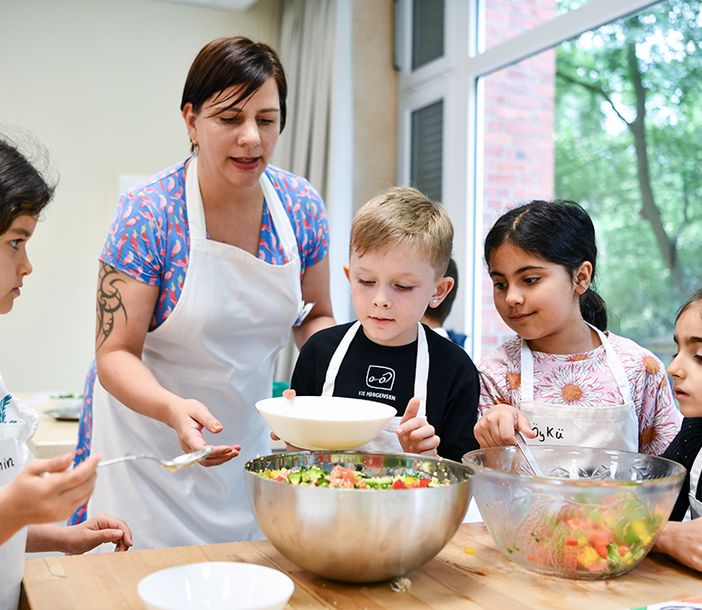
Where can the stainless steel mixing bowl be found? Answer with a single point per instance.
(359, 535)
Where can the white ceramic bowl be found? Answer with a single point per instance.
(220, 585)
(64, 406)
(325, 422)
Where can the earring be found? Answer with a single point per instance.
(434, 301)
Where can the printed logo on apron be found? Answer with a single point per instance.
(387, 439)
(563, 424)
(218, 345)
(380, 377)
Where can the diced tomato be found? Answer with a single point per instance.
(399, 484)
(423, 482)
(571, 542)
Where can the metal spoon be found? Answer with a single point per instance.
(528, 455)
(177, 463)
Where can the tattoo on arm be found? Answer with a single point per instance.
(109, 303)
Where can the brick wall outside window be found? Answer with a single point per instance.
(519, 133)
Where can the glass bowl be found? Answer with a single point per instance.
(359, 535)
(596, 513)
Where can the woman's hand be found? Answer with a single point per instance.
(683, 542)
(497, 427)
(415, 433)
(188, 418)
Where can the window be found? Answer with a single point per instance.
(427, 149)
(427, 31)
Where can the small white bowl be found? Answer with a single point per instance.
(327, 423)
(220, 585)
(64, 406)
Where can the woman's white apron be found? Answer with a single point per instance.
(562, 424)
(387, 439)
(218, 346)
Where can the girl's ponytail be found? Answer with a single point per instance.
(594, 309)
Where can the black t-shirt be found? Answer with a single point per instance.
(386, 374)
(683, 450)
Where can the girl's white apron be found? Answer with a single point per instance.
(219, 346)
(387, 439)
(695, 504)
(14, 455)
(563, 424)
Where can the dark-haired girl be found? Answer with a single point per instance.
(33, 494)
(202, 277)
(565, 379)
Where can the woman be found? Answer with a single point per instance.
(203, 274)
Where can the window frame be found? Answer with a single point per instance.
(458, 77)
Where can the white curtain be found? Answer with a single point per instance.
(307, 50)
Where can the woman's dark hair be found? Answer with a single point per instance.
(557, 231)
(234, 62)
(697, 296)
(23, 190)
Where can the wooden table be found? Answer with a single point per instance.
(453, 579)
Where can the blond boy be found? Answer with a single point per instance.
(400, 247)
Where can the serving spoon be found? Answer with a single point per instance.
(177, 463)
(528, 455)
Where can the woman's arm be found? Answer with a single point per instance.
(124, 309)
(315, 289)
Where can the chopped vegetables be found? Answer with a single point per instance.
(586, 537)
(345, 478)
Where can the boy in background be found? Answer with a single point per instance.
(435, 317)
(400, 249)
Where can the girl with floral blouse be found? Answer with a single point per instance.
(564, 379)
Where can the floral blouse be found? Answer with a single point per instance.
(586, 380)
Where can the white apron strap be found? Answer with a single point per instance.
(337, 358)
(615, 366)
(695, 504)
(526, 387)
(421, 371)
(193, 202)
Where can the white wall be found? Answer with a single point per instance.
(98, 83)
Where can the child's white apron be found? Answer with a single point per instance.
(14, 455)
(387, 439)
(562, 424)
(218, 345)
(695, 504)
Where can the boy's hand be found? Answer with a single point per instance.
(94, 532)
(188, 418)
(289, 394)
(415, 434)
(497, 427)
